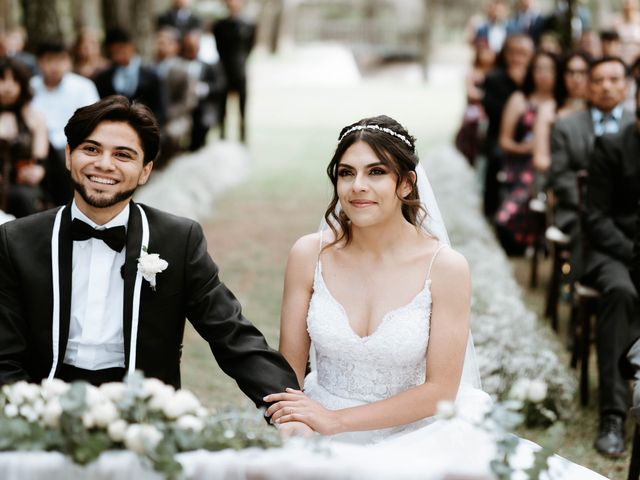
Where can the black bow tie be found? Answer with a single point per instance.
(114, 237)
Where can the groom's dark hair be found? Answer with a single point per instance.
(115, 108)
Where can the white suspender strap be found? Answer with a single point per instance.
(55, 277)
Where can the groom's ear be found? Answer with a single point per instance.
(67, 156)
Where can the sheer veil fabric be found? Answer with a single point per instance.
(433, 224)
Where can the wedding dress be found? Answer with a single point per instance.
(351, 370)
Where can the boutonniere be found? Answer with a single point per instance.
(150, 264)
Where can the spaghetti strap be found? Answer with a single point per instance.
(433, 258)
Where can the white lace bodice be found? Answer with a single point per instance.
(352, 370)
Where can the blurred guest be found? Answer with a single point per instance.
(610, 43)
(613, 192)
(23, 137)
(573, 71)
(86, 55)
(572, 140)
(58, 92)
(527, 19)
(549, 42)
(235, 37)
(500, 83)
(590, 43)
(210, 85)
(467, 139)
(180, 16)
(12, 44)
(628, 29)
(128, 76)
(514, 223)
(179, 93)
(492, 30)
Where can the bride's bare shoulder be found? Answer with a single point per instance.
(450, 267)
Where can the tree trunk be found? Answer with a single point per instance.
(42, 22)
(429, 13)
(143, 21)
(116, 13)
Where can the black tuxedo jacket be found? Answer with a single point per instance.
(189, 287)
(149, 89)
(613, 192)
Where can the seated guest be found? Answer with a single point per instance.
(572, 139)
(12, 45)
(573, 72)
(515, 225)
(57, 93)
(499, 84)
(128, 76)
(613, 192)
(527, 19)
(610, 43)
(23, 135)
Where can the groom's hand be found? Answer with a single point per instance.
(295, 429)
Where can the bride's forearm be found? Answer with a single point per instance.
(406, 407)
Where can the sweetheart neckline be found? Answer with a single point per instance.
(426, 288)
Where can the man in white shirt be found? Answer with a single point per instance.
(58, 92)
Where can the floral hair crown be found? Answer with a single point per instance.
(379, 128)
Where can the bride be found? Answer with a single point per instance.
(385, 303)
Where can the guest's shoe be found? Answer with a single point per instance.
(610, 439)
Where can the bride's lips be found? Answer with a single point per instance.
(362, 203)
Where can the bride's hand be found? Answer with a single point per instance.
(294, 406)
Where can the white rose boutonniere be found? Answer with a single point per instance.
(150, 264)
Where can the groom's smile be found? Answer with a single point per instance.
(106, 168)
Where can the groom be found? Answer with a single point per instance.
(82, 297)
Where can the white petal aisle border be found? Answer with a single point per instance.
(511, 343)
(191, 182)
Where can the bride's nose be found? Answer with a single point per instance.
(359, 183)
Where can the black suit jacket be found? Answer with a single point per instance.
(613, 192)
(171, 18)
(149, 89)
(190, 287)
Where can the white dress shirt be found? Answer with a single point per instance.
(96, 340)
(58, 104)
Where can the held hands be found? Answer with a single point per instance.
(294, 406)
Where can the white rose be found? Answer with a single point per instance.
(28, 412)
(202, 412)
(162, 396)
(87, 420)
(38, 406)
(520, 389)
(117, 430)
(11, 410)
(153, 386)
(93, 395)
(445, 409)
(114, 391)
(183, 402)
(21, 392)
(149, 264)
(537, 391)
(189, 422)
(140, 437)
(104, 413)
(52, 413)
(54, 388)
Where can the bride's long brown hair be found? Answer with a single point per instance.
(392, 150)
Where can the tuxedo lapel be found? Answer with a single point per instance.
(134, 242)
(65, 262)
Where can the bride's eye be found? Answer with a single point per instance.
(344, 172)
(378, 171)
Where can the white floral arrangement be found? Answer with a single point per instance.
(499, 420)
(142, 415)
(511, 343)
